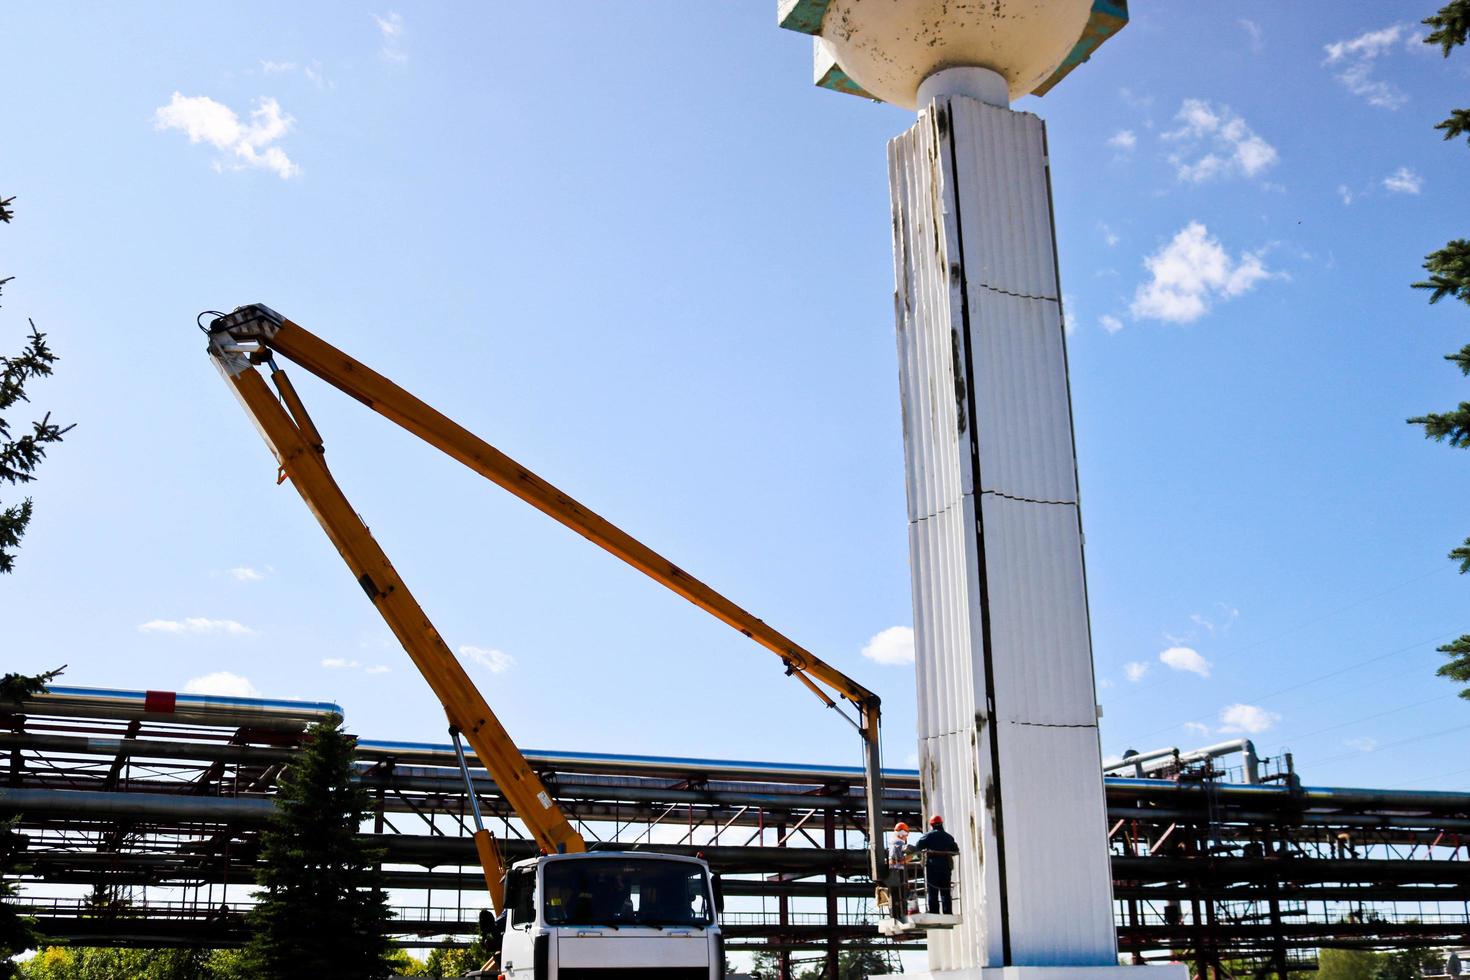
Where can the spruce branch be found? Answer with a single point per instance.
(5, 213)
(1461, 358)
(1452, 426)
(1462, 555)
(1449, 272)
(1456, 125)
(1458, 669)
(1451, 25)
(15, 688)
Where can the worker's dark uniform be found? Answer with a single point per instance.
(939, 850)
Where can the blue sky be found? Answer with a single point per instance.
(632, 246)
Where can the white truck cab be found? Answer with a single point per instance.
(612, 915)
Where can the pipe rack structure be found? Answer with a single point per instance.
(143, 813)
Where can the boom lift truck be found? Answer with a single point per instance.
(569, 913)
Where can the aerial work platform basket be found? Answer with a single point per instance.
(906, 907)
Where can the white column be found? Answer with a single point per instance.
(1007, 709)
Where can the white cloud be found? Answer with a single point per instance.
(892, 647)
(1136, 99)
(1247, 719)
(1215, 142)
(1223, 618)
(1362, 744)
(1110, 323)
(196, 625)
(1197, 728)
(1403, 181)
(1135, 670)
(1355, 60)
(204, 120)
(1344, 193)
(1103, 683)
(343, 663)
(1109, 236)
(498, 661)
(311, 71)
(1123, 139)
(245, 574)
(1189, 273)
(222, 683)
(1254, 30)
(390, 26)
(1185, 659)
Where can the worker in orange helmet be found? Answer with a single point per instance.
(939, 850)
(898, 856)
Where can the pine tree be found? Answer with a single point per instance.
(1449, 275)
(321, 911)
(21, 455)
(15, 688)
(17, 932)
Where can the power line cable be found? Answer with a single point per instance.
(1321, 677)
(1425, 779)
(1304, 624)
(1380, 714)
(1383, 748)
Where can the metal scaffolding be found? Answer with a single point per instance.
(143, 813)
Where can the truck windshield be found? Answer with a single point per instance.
(641, 892)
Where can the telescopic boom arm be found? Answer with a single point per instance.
(251, 335)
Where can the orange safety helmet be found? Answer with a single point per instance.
(936, 820)
(900, 826)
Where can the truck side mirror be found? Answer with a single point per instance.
(719, 884)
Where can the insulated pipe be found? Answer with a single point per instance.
(97, 803)
(173, 708)
(434, 754)
(1244, 746)
(147, 748)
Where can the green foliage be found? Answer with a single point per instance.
(1449, 272)
(1453, 425)
(448, 961)
(17, 932)
(15, 688)
(60, 963)
(1408, 964)
(1458, 668)
(1457, 124)
(1348, 964)
(21, 455)
(852, 964)
(1449, 275)
(1462, 555)
(1450, 25)
(321, 911)
(404, 965)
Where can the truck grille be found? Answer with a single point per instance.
(666, 973)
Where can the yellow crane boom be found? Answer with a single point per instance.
(252, 335)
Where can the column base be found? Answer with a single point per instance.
(1166, 971)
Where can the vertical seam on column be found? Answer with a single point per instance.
(1005, 912)
(1051, 216)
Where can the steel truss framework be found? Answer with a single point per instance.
(143, 813)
